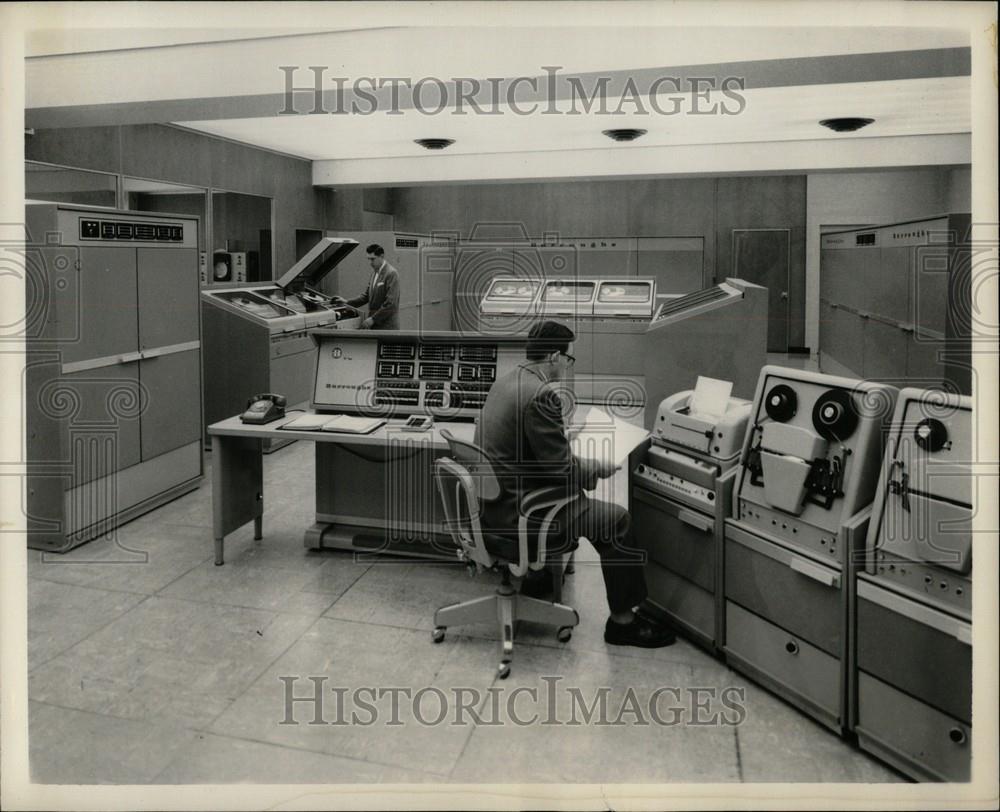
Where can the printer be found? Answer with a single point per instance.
(680, 494)
(690, 450)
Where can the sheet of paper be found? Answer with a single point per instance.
(711, 397)
(603, 437)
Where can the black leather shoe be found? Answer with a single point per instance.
(641, 632)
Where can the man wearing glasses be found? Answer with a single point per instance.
(522, 430)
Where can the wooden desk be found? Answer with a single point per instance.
(237, 464)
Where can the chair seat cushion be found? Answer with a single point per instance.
(507, 545)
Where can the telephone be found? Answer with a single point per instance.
(264, 408)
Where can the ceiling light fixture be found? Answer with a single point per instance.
(435, 143)
(846, 125)
(624, 134)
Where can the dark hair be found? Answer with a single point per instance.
(546, 337)
(375, 249)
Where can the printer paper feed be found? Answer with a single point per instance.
(711, 397)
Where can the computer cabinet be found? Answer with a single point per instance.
(113, 369)
(895, 303)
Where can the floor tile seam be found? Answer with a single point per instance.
(101, 628)
(89, 586)
(208, 557)
(472, 732)
(300, 749)
(151, 723)
(349, 587)
(225, 604)
(256, 677)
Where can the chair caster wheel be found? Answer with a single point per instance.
(564, 634)
(438, 634)
(503, 670)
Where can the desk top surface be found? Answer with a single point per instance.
(591, 432)
(391, 431)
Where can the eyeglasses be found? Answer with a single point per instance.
(570, 359)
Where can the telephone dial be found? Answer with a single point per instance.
(264, 408)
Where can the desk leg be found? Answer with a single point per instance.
(237, 487)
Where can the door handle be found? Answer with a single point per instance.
(694, 520)
(816, 572)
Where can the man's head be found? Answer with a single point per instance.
(376, 255)
(549, 344)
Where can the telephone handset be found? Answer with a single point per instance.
(264, 408)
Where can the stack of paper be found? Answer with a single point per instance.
(710, 398)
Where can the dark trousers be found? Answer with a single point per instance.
(607, 527)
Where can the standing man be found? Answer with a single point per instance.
(382, 295)
(522, 432)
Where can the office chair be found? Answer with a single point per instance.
(465, 481)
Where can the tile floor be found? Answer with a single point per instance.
(148, 664)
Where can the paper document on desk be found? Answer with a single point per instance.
(353, 425)
(596, 435)
(307, 422)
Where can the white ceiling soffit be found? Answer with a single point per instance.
(913, 81)
(912, 107)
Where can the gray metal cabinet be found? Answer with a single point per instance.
(113, 378)
(895, 302)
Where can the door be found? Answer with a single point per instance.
(762, 256)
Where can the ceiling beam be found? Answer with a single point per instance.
(634, 162)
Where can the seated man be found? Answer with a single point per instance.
(521, 429)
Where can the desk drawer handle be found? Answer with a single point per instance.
(815, 572)
(957, 735)
(792, 647)
(695, 521)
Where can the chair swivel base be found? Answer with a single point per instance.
(506, 606)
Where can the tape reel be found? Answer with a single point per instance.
(834, 415)
(781, 403)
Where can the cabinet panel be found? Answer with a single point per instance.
(173, 414)
(617, 259)
(884, 351)
(930, 290)
(168, 296)
(106, 306)
(846, 337)
(887, 288)
(923, 361)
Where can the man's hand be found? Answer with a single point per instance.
(338, 300)
(368, 323)
(607, 468)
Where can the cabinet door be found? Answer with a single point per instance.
(172, 418)
(930, 289)
(168, 296)
(105, 305)
(887, 288)
(884, 356)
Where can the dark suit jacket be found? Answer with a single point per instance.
(521, 429)
(382, 298)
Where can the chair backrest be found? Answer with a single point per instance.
(476, 463)
(460, 500)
